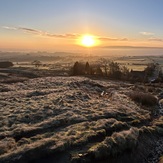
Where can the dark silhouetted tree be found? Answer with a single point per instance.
(149, 70)
(78, 69)
(36, 63)
(125, 73)
(99, 71)
(104, 63)
(114, 70)
(87, 68)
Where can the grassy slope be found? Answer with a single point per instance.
(67, 120)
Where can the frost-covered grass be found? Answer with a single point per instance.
(143, 98)
(44, 116)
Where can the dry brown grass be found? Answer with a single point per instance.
(116, 144)
(161, 159)
(143, 98)
(44, 116)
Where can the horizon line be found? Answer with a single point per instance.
(133, 47)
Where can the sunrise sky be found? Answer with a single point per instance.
(60, 24)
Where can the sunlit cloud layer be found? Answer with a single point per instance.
(75, 36)
(66, 36)
(42, 33)
(112, 39)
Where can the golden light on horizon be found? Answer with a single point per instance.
(88, 41)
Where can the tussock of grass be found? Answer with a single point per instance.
(143, 98)
(115, 144)
(158, 124)
(119, 126)
(6, 145)
(23, 141)
(36, 93)
(147, 129)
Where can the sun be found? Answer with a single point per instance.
(88, 41)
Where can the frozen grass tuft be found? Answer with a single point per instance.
(6, 145)
(143, 98)
(116, 144)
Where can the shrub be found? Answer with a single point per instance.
(143, 98)
(6, 64)
(78, 69)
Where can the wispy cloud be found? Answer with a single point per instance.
(68, 35)
(147, 33)
(155, 39)
(9, 28)
(32, 31)
(42, 33)
(112, 39)
(71, 36)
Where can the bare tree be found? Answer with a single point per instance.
(36, 63)
(104, 63)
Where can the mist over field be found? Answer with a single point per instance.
(101, 51)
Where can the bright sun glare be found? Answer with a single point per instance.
(88, 41)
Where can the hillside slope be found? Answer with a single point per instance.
(74, 119)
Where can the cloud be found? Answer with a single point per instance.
(71, 36)
(147, 33)
(155, 39)
(112, 39)
(42, 33)
(10, 28)
(66, 36)
(29, 30)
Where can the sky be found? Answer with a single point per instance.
(58, 25)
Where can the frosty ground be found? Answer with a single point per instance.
(77, 119)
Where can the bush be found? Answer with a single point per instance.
(78, 69)
(85, 69)
(143, 98)
(6, 64)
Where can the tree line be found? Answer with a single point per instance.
(114, 70)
